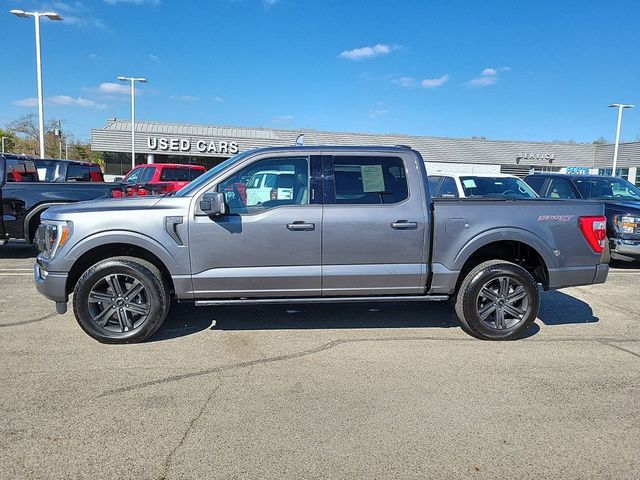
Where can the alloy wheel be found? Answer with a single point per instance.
(502, 303)
(119, 303)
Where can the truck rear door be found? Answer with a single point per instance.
(375, 238)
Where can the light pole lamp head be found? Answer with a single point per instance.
(51, 16)
(19, 13)
(123, 79)
(621, 105)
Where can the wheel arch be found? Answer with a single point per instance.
(513, 245)
(93, 250)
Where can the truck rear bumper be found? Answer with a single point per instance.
(53, 285)
(576, 276)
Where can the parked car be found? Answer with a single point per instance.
(479, 185)
(23, 196)
(621, 205)
(53, 170)
(359, 226)
(159, 178)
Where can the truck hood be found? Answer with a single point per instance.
(110, 205)
(622, 206)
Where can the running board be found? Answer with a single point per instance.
(275, 301)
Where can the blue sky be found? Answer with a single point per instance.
(503, 69)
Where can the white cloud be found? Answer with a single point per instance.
(185, 98)
(488, 77)
(434, 82)
(379, 110)
(405, 82)
(79, 101)
(73, 13)
(112, 88)
(95, 56)
(379, 50)
(26, 102)
(283, 118)
(153, 58)
(218, 100)
(60, 100)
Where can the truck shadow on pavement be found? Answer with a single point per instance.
(557, 308)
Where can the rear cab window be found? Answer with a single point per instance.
(369, 180)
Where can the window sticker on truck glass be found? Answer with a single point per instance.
(372, 178)
(469, 183)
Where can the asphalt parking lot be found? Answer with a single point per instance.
(324, 391)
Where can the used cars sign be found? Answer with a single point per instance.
(185, 144)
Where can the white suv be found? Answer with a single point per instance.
(270, 185)
(479, 185)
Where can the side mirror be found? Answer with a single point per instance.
(213, 203)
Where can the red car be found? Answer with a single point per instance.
(159, 178)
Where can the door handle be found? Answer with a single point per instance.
(298, 225)
(404, 225)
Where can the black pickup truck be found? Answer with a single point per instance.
(23, 197)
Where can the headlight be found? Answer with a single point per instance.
(627, 223)
(51, 236)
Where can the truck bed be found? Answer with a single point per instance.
(550, 227)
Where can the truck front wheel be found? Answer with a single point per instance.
(121, 300)
(498, 300)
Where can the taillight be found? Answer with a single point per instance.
(273, 195)
(141, 192)
(594, 230)
(117, 193)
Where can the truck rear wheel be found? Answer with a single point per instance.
(498, 300)
(121, 300)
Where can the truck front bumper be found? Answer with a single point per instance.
(53, 285)
(627, 248)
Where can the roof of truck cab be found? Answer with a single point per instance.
(345, 148)
(171, 165)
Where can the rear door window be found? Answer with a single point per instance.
(560, 188)
(78, 173)
(536, 183)
(370, 180)
(174, 175)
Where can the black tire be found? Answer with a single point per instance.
(99, 296)
(490, 294)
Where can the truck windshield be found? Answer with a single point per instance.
(198, 183)
(607, 188)
(507, 187)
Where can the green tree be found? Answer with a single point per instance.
(25, 139)
(600, 141)
(9, 140)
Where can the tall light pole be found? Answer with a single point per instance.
(36, 16)
(620, 107)
(132, 81)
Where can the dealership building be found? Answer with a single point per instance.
(209, 145)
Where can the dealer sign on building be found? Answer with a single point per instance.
(184, 145)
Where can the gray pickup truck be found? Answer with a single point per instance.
(315, 224)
